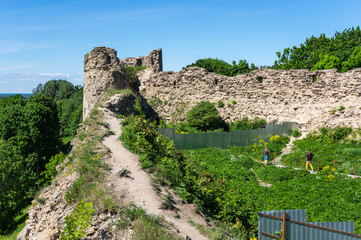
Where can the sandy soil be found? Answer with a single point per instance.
(136, 187)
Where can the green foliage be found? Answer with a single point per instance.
(214, 179)
(131, 72)
(326, 62)
(55, 89)
(69, 101)
(220, 104)
(78, 221)
(50, 167)
(341, 108)
(245, 123)
(14, 179)
(331, 144)
(234, 102)
(144, 226)
(224, 68)
(353, 61)
(71, 110)
(204, 116)
(296, 133)
(29, 135)
(323, 52)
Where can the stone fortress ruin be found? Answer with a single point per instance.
(310, 98)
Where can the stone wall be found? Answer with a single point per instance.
(153, 61)
(104, 70)
(309, 98)
(277, 95)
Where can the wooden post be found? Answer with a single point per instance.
(301, 162)
(318, 165)
(334, 164)
(284, 223)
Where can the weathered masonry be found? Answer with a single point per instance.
(311, 98)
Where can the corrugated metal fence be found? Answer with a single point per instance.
(292, 225)
(226, 139)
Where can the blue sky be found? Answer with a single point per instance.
(42, 40)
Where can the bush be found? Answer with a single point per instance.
(296, 133)
(245, 123)
(220, 104)
(204, 116)
(131, 72)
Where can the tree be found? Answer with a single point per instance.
(13, 184)
(353, 61)
(204, 116)
(326, 62)
(307, 55)
(224, 68)
(55, 89)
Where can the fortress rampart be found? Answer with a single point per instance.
(312, 99)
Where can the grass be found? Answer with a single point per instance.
(214, 233)
(124, 92)
(90, 165)
(145, 226)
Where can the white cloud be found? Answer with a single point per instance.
(26, 82)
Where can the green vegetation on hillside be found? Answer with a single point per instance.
(30, 143)
(29, 137)
(222, 185)
(340, 145)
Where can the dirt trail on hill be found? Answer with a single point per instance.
(136, 185)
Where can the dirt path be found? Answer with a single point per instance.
(136, 187)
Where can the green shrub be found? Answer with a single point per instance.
(50, 167)
(78, 221)
(131, 72)
(245, 123)
(296, 133)
(204, 116)
(234, 102)
(341, 108)
(220, 104)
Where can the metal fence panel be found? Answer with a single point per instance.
(272, 226)
(298, 229)
(226, 139)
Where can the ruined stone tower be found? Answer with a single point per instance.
(104, 70)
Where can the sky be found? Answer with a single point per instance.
(41, 40)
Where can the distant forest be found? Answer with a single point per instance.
(34, 137)
(341, 52)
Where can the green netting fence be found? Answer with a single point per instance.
(226, 139)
